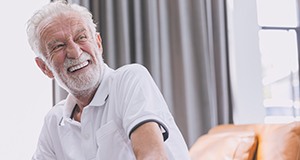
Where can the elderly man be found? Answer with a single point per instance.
(108, 114)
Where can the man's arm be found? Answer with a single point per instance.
(147, 142)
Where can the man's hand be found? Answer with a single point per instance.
(147, 142)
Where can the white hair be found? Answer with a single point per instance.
(51, 10)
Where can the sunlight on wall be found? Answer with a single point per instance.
(25, 91)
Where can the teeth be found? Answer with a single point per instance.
(79, 66)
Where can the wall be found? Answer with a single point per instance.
(25, 91)
(245, 62)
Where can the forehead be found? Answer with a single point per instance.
(62, 25)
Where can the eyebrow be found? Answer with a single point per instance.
(80, 30)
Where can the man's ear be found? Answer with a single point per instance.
(99, 40)
(42, 65)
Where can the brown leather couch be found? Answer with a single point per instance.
(249, 142)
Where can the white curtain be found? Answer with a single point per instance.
(183, 43)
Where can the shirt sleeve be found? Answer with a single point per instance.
(141, 101)
(44, 147)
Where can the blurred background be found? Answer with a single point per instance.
(26, 95)
(216, 62)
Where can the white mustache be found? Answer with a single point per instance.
(72, 62)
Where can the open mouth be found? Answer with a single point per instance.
(78, 66)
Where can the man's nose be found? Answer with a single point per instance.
(73, 50)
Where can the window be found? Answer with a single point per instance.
(278, 42)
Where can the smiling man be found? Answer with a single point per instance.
(108, 114)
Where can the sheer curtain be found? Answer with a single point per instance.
(183, 44)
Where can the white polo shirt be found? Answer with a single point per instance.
(126, 98)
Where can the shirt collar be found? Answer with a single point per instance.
(103, 90)
(99, 97)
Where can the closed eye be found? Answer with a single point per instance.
(57, 47)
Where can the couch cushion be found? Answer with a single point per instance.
(275, 141)
(239, 145)
(280, 142)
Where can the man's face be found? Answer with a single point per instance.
(72, 53)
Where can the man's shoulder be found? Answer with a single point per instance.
(56, 110)
(133, 66)
(132, 70)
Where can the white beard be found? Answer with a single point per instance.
(80, 83)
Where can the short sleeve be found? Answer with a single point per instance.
(141, 100)
(44, 149)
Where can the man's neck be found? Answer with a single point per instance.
(84, 98)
